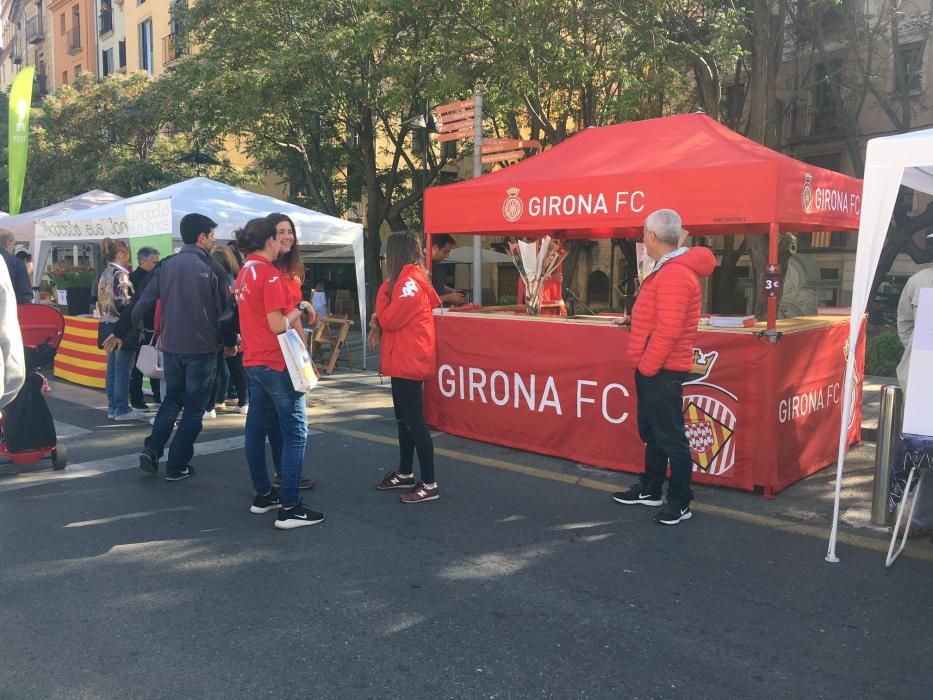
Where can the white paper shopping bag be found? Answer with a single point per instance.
(301, 369)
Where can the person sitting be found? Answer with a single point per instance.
(440, 250)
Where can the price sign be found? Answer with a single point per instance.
(772, 281)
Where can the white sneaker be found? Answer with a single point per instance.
(133, 414)
(244, 409)
(210, 414)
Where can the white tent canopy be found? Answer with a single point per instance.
(23, 226)
(229, 206)
(891, 161)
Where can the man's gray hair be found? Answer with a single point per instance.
(666, 225)
(145, 253)
(7, 239)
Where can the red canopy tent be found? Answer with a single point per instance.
(603, 182)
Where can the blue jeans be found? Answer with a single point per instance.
(271, 393)
(187, 385)
(119, 365)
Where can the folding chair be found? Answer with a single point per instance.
(915, 451)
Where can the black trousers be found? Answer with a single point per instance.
(238, 377)
(413, 433)
(661, 427)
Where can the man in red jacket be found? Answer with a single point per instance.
(660, 347)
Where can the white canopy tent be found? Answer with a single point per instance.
(891, 161)
(231, 207)
(23, 226)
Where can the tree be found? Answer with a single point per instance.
(113, 134)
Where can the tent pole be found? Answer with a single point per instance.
(772, 260)
(477, 172)
(427, 252)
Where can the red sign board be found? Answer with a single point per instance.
(505, 155)
(460, 124)
(454, 135)
(454, 106)
(493, 145)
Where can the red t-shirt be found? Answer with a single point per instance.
(293, 286)
(260, 290)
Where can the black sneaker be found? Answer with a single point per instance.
(139, 405)
(263, 504)
(179, 475)
(299, 516)
(149, 461)
(635, 496)
(673, 514)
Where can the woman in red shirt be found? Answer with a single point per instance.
(403, 311)
(293, 274)
(265, 310)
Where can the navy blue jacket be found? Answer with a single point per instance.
(22, 285)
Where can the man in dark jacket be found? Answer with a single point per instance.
(146, 259)
(193, 299)
(22, 285)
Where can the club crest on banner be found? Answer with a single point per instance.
(512, 207)
(806, 195)
(708, 421)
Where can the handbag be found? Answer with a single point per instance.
(301, 369)
(149, 360)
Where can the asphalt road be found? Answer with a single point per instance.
(510, 586)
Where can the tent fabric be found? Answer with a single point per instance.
(23, 226)
(231, 207)
(890, 161)
(603, 182)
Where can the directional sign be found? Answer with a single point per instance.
(455, 116)
(454, 135)
(447, 127)
(454, 106)
(499, 157)
(508, 144)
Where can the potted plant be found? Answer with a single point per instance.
(77, 281)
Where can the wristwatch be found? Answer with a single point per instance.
(302, 306)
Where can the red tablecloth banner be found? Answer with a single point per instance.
(757, 414)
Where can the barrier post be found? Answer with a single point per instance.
(890, 419)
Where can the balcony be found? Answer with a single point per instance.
(105, 20)
(35, 32)
(173, 48)
(74, 40)
(16, 52)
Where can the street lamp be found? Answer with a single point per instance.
(423, 123)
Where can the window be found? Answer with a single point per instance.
(106, 62)
(145, 46)
(77, 71)
(61, 24)
(911, 66)
(826, 77)
(64, 77)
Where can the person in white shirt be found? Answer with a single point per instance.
(906, 316)
(13, 363)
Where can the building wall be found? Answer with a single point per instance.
(108, 42)
(159, 13)
(69, 19)
(22, 41)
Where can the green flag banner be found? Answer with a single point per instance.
(18, 140)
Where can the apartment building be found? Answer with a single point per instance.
(111, 37)
(24, 37)
(73, 35)
(153, 34)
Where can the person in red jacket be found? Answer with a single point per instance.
(403, 312)
(660, 347)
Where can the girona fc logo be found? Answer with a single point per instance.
(806, 195)
(512, 207)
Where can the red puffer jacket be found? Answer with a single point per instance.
(408, 337)
(666, 313)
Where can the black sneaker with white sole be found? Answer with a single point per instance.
(149, 461)
(299, 516)
(634, 496)
(263, 504)
(672, 514)
(179, 475)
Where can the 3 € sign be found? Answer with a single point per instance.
(772, 281)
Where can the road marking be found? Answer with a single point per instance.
(67, 430)
(767, 521)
